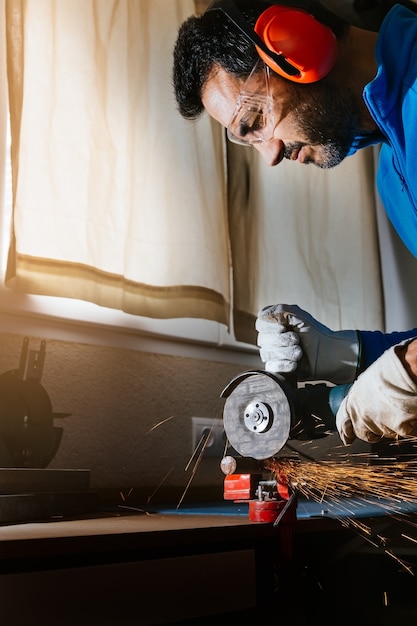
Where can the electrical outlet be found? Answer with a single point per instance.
(208, 432)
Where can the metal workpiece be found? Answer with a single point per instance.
(263, 411)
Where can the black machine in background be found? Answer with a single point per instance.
(28, 437)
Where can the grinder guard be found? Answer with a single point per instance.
(264, 410)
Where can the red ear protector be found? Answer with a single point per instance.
(291, 41)
(307, 44)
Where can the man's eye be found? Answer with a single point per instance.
(251, 124)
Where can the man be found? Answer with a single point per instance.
(247, 63)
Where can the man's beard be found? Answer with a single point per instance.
(328, 119)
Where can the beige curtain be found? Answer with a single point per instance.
(301, 235)
(119, 201)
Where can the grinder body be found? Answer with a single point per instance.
(263, 411)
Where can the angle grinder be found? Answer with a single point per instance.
(264, 410)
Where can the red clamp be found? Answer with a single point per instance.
(268, 500)
(240, 486)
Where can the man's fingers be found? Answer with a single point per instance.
(278, 340)
(283, 367)
(291, 354)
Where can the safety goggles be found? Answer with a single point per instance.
(253, 119)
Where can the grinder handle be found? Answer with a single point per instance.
(337, 395)
(315, 407)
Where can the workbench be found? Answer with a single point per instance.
(133, 568)
(196, 565)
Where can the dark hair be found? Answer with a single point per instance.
(212, 39)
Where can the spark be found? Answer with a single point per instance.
(400, 561)
(161, 482)
(203, 437)
(194, 471)
(159, 424)
(226, 445)
(331, 480)
(199, 453)
(133, 508)
(345, 487)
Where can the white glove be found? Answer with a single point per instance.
(291, 340)
(381, 403)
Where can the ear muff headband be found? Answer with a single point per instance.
(290, 40)
(306, 43)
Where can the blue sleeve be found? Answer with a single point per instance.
(375, 342)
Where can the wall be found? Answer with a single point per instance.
(115, 397)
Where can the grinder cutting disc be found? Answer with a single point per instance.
(257, 414)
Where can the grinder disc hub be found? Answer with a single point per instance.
(258, 417)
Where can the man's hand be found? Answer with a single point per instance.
(407, 353)
(291, 340)
(382, 403)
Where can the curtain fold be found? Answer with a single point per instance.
(117, 200)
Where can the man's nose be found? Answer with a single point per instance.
(272, 151)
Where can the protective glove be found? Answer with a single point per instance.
(291, 340)
(381, 403)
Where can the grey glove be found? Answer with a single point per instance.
(381, 403)
(291, 340)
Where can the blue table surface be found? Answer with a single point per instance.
(306, 509)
